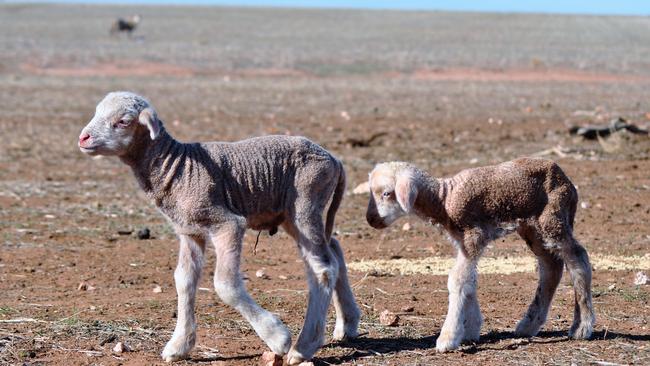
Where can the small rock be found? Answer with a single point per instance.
(406, 227)
(345, 115)
(306, 363)
(612, 287)
(362, 188)
(121, 347)
(143, 233)
(124, 232)
(641, 279)
(157, 289)
(261, 274)
(270, 359)
(388, 319)
(584, 205)
(408, 309)
(283, 277)
(83, 286)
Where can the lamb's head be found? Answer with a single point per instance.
(392, 193)
(120, 119)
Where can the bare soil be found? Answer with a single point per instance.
(450, 90)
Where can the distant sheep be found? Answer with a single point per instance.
(212, 192)
(127, 25)
(475, 207)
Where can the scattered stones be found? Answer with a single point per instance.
(362, 188)
(388, 319)
(406, 227)
(641, 279)
(157, 289)
(261, 274)
(270, 359)
(121, 347)
(143, 234)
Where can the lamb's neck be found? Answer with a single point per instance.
(155, 163)
(430, 202)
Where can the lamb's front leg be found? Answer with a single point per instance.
(186, 276)
(462, 288)
(228, 284)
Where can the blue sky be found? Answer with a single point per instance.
(624, 7)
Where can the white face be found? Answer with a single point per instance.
(111, 130)
(383, 207)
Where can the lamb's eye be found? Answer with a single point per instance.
(124, 122)
(386, 194)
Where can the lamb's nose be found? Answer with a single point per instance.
(84, 138)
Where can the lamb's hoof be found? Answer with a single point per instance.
(446, 343)
(178, 348)
(278, 338)
(173, 353)
(295, 358)
(526, 329)
(581, 331)
(342, 333)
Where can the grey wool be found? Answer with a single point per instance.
(214, 191)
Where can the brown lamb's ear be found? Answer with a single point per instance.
(149, 118)
(406, 191)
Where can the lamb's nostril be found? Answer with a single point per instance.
(84, 137)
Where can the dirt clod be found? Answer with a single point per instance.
(388, 319)
(261, 274)
(270, 359)
(121, 347)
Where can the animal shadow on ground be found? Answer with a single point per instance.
(365, 346)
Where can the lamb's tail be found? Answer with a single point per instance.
(336, 202)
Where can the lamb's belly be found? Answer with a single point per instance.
(265, 220)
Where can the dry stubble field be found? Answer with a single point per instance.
(449, 90)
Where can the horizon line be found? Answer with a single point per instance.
(356, 5)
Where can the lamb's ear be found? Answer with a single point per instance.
(406, 191)
(149, 118)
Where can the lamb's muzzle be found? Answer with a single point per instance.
(473, 207)
(212, 192)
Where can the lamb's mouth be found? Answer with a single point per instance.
(89, 149)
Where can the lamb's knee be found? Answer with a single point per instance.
(228, 292)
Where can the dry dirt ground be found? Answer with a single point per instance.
(449, 91)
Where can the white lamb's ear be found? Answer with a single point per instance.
(149, 118)
(406, 191)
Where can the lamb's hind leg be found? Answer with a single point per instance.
(186, 276)
(229, 286)
(577, 262)
(550, 269)
(322, 272)
(347, 312)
